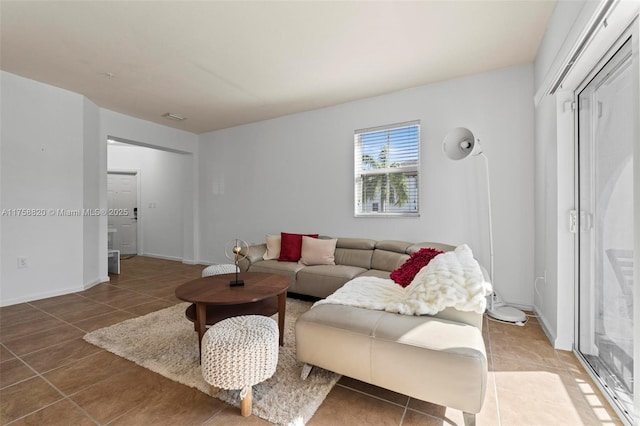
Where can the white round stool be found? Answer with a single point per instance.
(225, 268)
(239, 352)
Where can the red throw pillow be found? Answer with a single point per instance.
(291, 246)
(408, 270)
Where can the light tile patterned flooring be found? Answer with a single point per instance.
(50, 376)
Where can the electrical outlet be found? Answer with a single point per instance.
(22, 262)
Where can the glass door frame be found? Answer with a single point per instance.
(632, 32)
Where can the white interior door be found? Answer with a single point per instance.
(122, 200)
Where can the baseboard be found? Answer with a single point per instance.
(38, 296)
(161, 256)
(545, 328)
(177, 259)
(95, 282)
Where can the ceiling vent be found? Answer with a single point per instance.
(175, 117)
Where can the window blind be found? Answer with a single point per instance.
(386, 169)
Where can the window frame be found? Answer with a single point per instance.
(410, 169)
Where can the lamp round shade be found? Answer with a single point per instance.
(459, 143)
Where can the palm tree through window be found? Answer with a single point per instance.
(387, 163)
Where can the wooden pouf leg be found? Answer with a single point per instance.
(214, 390)
(245, 404)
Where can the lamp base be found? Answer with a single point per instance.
(507, 314)
(236, 283)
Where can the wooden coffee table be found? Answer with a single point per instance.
(214, 300)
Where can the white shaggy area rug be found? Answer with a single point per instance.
(165, 342)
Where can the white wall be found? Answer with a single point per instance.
(546, 252)
(554, 178)
(43, 137)
(91, 197)
(295, 174)
(53, 155)
(165, 191)
(554, 155)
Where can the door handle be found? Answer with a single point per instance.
(586, 221)
(573, 221)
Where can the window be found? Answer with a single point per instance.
(387, 164)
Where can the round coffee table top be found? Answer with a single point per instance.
(215, 290)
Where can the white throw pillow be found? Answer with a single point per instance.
(317, 251)
(273, 247)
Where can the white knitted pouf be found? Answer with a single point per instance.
(227, 268)
(239, 352)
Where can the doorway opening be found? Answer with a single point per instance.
(151, 192)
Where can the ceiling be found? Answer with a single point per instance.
(222, 64)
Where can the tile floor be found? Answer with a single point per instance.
(50, 376)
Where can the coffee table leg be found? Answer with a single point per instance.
(201, 323)
(282, 307)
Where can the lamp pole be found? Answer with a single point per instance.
(501, 312)
(486, 165)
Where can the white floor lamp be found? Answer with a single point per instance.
(458, 145)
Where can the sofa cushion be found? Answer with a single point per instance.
(408, 351)
(273, 247)
(353, 257)
(255, 253)
(323, 323)
(288, 269)
(355, 252)
(393, 245)
(356, 243)
(318, 251)
(438, 246)
(375, 273)
(291, 246)
(322, 280)
(385, 260)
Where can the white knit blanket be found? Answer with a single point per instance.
(451, 279)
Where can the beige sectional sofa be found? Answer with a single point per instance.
(353, 257)
(435, 358)
(430, 358)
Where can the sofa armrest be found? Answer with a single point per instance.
(254, 254)
(465, 317)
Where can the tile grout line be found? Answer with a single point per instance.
(94, 316)
(63, 395)
(404, 413)
(116, 309)
(59, 342)
(370, 395)
(406, 406)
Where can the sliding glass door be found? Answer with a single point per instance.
(607, 114)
